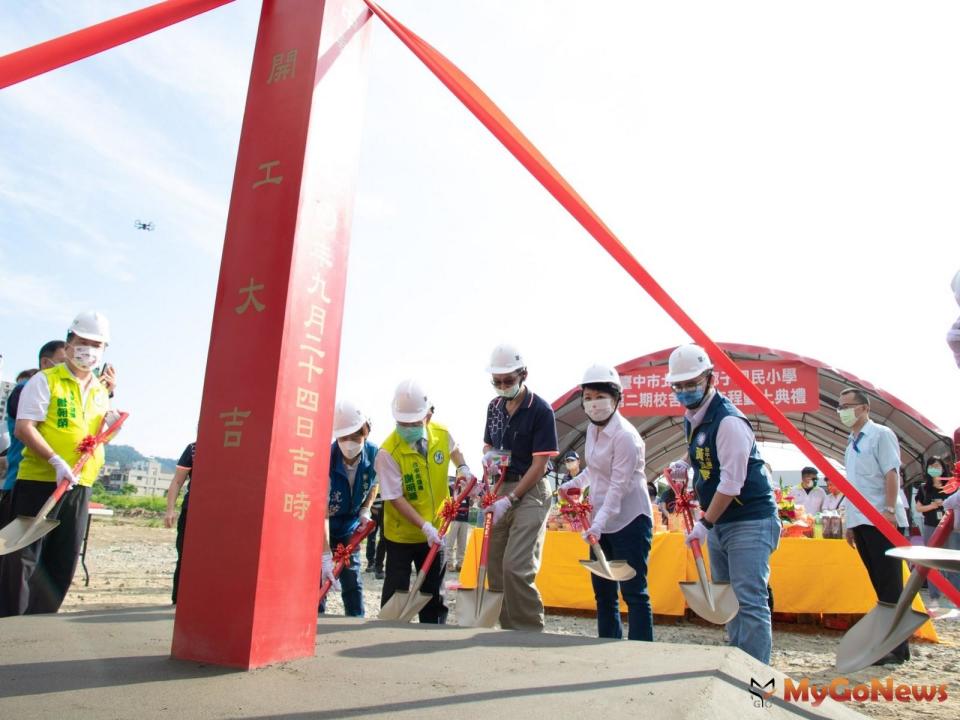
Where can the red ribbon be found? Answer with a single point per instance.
(66, 49)
(342, 554)
(576, 514)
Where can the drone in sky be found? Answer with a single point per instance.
(140, 225)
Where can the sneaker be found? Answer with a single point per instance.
(369, 568)
(890, 659)
(378, 574)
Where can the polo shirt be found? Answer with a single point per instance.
(531, 430)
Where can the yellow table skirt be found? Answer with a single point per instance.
(807, 576)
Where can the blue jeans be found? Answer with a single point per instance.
(351, 582)
(740, 554)
(953, 543)
(633, 545)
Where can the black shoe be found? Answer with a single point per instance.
(890, 659)
(378, 574)
(369, 568)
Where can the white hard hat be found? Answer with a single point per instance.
(91, 325)
(602, 374)
(347, 419)
(505, 358)
(410, 402)
(687, 362)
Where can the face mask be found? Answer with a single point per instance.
(848, 416)
(691, 398)
(598, 410)
(934, 472)
(509, 393)
(411, 435)
(86, 357)
(350, 448)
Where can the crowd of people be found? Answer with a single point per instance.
(402, 484)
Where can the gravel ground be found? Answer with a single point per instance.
(132, 563)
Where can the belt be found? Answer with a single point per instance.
(512, 476)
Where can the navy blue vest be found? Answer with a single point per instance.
(756, 496)
(343, 510)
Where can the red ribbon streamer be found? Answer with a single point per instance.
(342, 554)
(90, 442)
(486, 111)
(52, 54)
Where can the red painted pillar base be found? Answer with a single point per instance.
(251, 568)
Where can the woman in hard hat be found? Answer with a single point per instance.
(521, 424)
(353, 488)
(622, 513)
(735, 494)
(412, 469)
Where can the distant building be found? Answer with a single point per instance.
(146, 476)
(5, 389)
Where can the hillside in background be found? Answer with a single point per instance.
(126, 455)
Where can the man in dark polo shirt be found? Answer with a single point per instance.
(522, 424)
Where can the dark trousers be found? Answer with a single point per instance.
(886, 573)
(351, 582)
(181, 534)
(376, 550)
(6, 507)
(399, 558)
(631, 544)
(36, 578)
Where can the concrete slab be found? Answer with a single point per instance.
(116, 664)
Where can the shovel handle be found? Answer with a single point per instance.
(485, 546)
(697, 550)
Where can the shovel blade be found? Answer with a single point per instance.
(725, 604)
(875, 636)
(930, 557)
(414, 605)
(394, 607)
(22, 532)
(616, 570)
(478, 610)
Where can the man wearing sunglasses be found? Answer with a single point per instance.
(522, 425)
(872, 464)
(739, 514)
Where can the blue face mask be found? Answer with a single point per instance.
(691, 398)
(411, 435)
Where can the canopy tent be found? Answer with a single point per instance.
(662, 429)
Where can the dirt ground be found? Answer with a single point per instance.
(132, 563)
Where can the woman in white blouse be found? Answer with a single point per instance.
(622, 513)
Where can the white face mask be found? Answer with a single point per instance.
(509, 393)
(598, 410)
(86, 357)
(350, 448)
(848, 416)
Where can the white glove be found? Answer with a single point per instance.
(566, 487)
(953, 503)
(499, 508)
(699, 533)
(327, 572)
(64, 471)
(433, 537)
(365, 515)
(679, 470)
(110, 418)
(465, 476)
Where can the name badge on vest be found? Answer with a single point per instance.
(701, 438)
(439, 457)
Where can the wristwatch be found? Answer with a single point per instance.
(890, 510)
(706, 523)
(513, 498)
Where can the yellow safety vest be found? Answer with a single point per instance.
(68, 422)
(424, 482)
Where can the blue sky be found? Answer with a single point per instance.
(787, 172)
